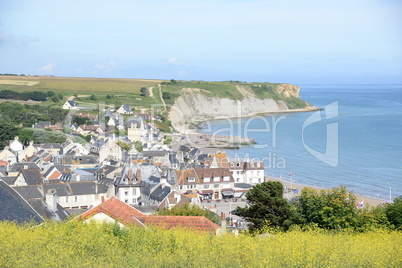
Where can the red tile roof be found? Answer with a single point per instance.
(198, 223)
(55, 175)
(117, 210)
(130, 216)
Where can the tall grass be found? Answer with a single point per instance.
(74, 244)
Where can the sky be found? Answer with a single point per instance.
(287, 41)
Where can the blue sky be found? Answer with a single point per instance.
(299, 42)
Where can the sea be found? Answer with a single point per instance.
(355, 141)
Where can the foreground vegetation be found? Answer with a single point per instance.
(75, 244)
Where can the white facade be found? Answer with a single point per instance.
(129, 195)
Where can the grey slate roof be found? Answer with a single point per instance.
(160, 193)
(9, 180)
(42, 125)
(29, 192)
(17, 167)
(32, 176)
(13, 206)
(72, 103)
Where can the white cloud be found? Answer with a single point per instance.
(174, 61)
(48, 68)
(16, 41)
(108, 67)
(182, 73)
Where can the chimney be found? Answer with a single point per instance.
(102, 199)
(51, 199)
(138, 175)
(130, 175)
(223, 222)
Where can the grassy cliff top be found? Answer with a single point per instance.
(113, 91)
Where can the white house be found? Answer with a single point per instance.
(124, 109)
(69, 105)
(247, 171)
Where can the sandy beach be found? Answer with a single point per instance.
(297, 188)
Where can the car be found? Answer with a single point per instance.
(233, 212)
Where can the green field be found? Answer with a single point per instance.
(76, 85)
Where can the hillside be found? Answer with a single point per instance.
(179, 101)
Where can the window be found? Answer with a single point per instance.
(238, 164)
(252, 164)
(238, 172)
(134, 200)
(134, 191)
(207, 179)
(258, 164)
(126, 192)
(191, 179)
(126, 201)
(226, 178)
(66, 199)
(206, 186)
(258, 173)
(216, 186)
(217, 178)
(75, 198)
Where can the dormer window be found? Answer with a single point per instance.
(191, 179)
(238, 164)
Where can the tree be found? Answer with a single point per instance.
(108, 97)
(50, 94)
(93, 98)
(190, 210)
(81, 120)
(7, 132)
(330, 209)
(394, 212)
(166, 95)
(60, 96)
(55, 99)
(266, 205)
(144, 91)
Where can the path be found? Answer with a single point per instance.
(244, 92)
(160, 94)
(151, 92)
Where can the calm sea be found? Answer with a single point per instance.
(356, 141)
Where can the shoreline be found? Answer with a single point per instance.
(368, 201)
(184, 129)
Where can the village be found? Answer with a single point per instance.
(126, 173)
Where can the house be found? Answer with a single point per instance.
(77, 175)
(219, 160)
(83, 161)
(17, 167)
(247, 171)
(210, 183)
(77, 195)
(107, 148)
(15, 208)
(124, 109)
(29, 177)
(44, 203)
(42, 125)
(135, 184)
(69, 105)
(113, 210)
(8, 156)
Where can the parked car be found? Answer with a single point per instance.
(233, 212)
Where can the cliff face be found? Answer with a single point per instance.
(288, 90)
(195, 104)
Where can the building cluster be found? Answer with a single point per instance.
(56, 180)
